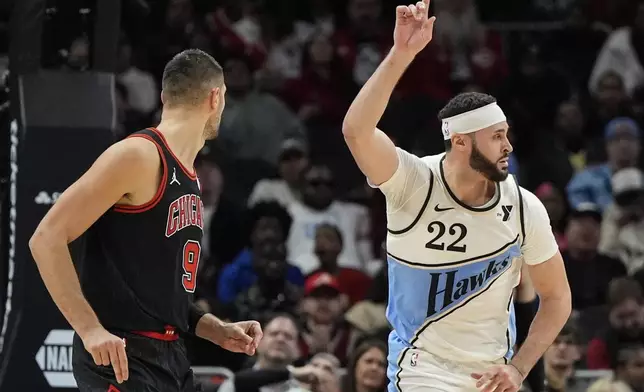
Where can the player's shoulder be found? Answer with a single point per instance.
(136, 147)
(132, 153)
(432, 160)
(531, 203)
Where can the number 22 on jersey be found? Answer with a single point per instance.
(191, 255)
(457, 231)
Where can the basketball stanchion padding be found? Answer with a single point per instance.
(65, 123)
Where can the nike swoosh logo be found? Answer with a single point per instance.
(438, 209)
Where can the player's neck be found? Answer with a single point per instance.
(468, 185)
(184, 133)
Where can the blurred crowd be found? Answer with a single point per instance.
(295, 236)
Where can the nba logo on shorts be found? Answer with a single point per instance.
(414, 359)
(446, 129)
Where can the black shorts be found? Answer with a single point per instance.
(154, 366)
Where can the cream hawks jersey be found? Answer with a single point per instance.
(452, 268)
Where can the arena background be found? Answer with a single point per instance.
(55, 123)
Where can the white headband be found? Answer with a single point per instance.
(473, 120)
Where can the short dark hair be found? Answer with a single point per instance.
(462, 103)
(623, 289)
(333, 228)
(272, 316)
(271, 209)
(571, 330)
(189, 76)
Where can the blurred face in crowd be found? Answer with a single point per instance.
(570, 119)
(489, 151)
(269, 257)
(325, 304)
(327, 364)
(632, 369)
(321, 50)
(627, 319)
(238, 76)
(623, 149)
(291, 165)
(371, 370)
(610, 91)
(318, 187)
(212, 182)
(265, 227)
(562, 353)
(328, 246)
(279, 344)
(583, 235)
(553, 200)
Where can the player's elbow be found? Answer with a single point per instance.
(351, 128)
(42, 240)
(561, 299)
(348, 130)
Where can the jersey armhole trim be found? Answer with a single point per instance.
(421, 212)
(521, 214)
(191, 174)
(135, 209)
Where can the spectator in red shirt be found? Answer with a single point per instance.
(328, 246)
(626, 324)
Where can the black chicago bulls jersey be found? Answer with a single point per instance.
(141, 262)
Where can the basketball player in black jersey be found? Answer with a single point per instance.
(141, 208)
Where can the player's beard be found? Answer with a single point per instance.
(486, 167)
(211, 130)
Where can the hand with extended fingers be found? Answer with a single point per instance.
(499, 378)
(414, 27)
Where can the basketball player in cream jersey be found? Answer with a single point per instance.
(460, 232)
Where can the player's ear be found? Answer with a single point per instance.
(162, 98)
(214, 98)
(459, 142)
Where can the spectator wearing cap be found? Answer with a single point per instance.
(285, 189)
(625, 324)
(622, 233)
(593, 184)
(589, 272)
(328, 246)
(323, 312)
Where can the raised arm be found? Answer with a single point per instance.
(121, 173)
(372, 150)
